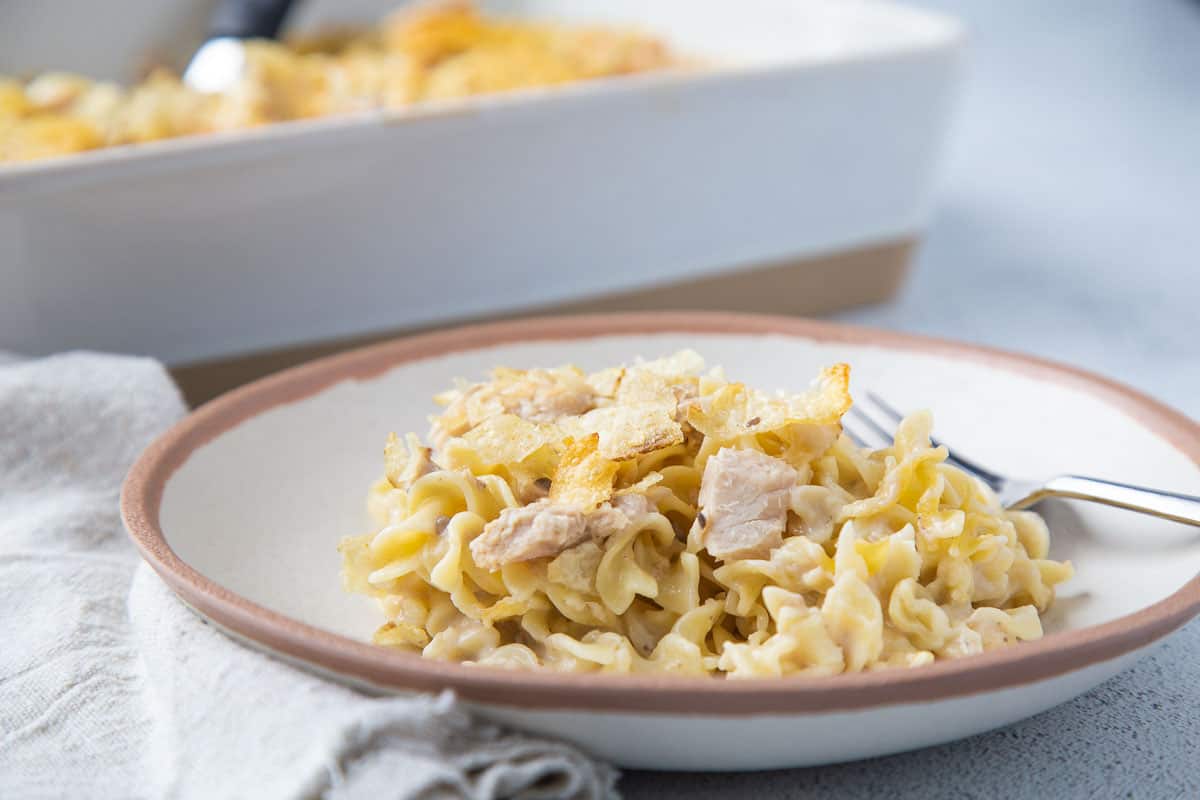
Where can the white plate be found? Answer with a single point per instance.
(240, 508)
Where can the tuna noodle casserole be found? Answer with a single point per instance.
(660, 518)
(416, 55)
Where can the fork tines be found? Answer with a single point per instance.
(872, 422)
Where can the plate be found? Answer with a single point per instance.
(240, 507)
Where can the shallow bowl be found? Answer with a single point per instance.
(240, 507)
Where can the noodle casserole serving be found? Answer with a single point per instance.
(661, 518)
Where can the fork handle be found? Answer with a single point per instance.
(1183, 508)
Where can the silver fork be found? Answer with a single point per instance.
(873, 424)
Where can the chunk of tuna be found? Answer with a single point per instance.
(744, 499)
(546, 528)
(616, 515)
(632, 505)
(576, 567)
(606, 521)
(534, 531)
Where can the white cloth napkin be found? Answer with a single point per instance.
(110, 687)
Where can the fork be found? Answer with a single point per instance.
(873, 424)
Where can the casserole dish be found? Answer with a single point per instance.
(808, 142)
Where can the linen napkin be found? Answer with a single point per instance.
(110, 687)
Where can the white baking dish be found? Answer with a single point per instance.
(816, 131)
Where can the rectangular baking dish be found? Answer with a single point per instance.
(806, 146)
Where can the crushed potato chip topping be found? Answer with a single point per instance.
(627, 411)
(584, 477)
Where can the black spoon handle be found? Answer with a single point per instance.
(249, 19)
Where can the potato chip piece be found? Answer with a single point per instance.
(453, 421)
(395, 459)
(583, 478)
(645, 388)
(647, 381)
(505, 439)
(627, 431)
(734, 410)
(404, 464)
(827, 400)
(662, 381)
(605, 382)
(683, 364)
(711, 381)
(538, 395)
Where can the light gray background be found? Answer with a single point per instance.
(1069, 227)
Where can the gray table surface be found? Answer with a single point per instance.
(1068, 227)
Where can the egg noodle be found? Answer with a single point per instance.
(660, 518)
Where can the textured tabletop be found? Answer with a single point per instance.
(1068, 227)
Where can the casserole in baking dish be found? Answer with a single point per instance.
(794, 176)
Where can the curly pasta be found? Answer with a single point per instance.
(660, 518)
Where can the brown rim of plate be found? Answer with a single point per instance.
(377, 667)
